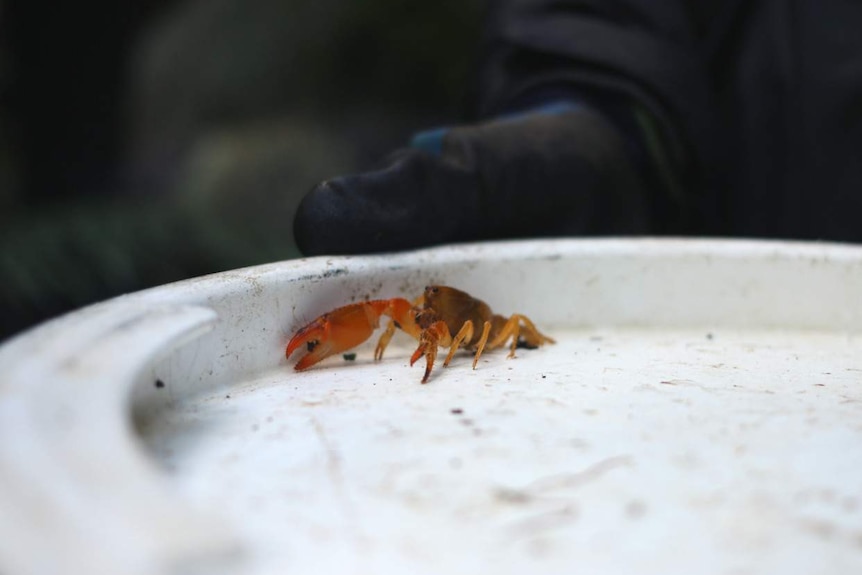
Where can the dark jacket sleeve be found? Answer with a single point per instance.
(756, 103)
(651, 54)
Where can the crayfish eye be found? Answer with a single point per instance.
(311, 345)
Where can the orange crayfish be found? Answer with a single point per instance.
(442, 316)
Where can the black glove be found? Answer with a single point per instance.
(533, 175)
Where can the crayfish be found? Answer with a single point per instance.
(442, 316)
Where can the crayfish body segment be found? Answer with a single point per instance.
(442, 316)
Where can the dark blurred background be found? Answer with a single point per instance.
(147, 142)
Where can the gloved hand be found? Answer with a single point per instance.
(536, 174)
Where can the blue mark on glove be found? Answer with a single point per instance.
(431, 141)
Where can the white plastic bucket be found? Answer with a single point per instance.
(701, 412)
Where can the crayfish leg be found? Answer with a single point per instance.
(480, 347)
(430, 339)
(512, 329)
(384, 341)
(403, 314)
(430, 356)
(466, 332)
(532, 335)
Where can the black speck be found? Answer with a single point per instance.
(543, 377)
(456, 411)
(334, 273)
(709, 336)
(349, 356)
(227, 396)
(160, 384)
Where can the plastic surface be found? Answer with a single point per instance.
(701, 412)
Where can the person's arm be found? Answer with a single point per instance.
(587, 135)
